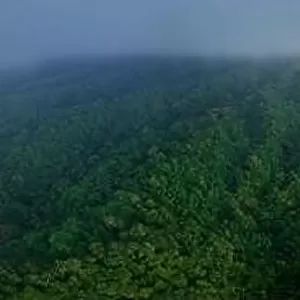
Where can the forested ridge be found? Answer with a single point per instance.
(150, 178)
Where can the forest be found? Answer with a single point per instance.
(150, 178)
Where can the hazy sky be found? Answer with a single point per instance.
(36, 29)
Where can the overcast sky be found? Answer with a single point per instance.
(37, 29)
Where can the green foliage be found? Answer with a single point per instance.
(156, 179)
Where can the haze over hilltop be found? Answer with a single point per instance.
(34, 30)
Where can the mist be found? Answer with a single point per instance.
(33, 30)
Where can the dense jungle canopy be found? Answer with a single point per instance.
(150, 178)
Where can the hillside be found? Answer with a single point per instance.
(150, 178)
